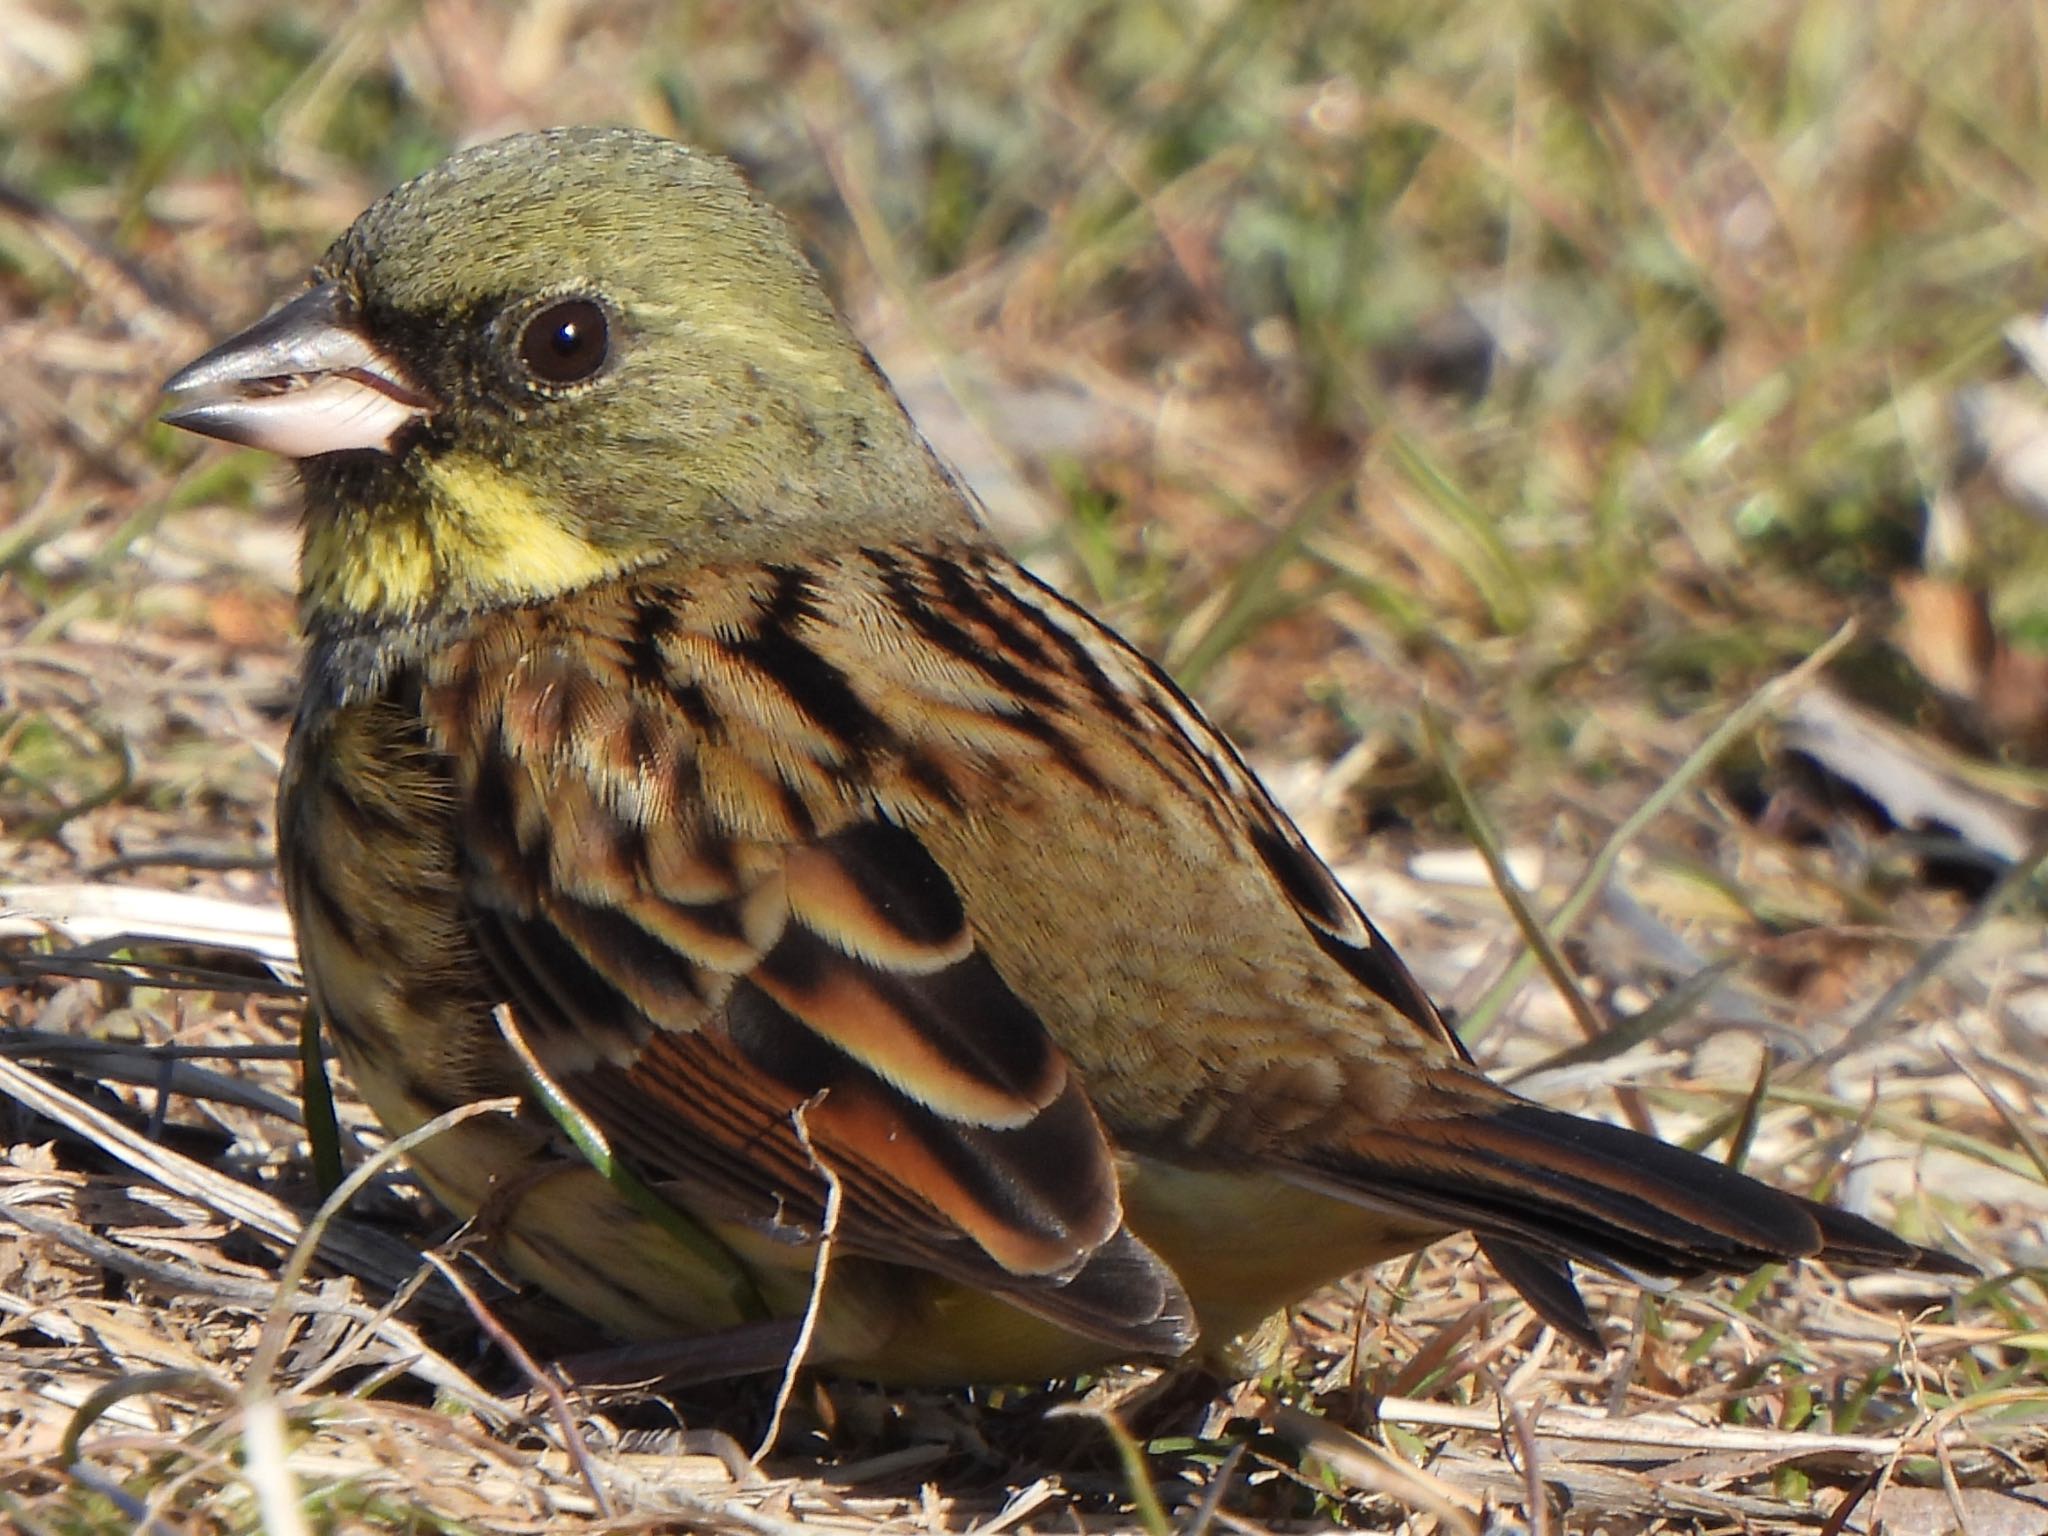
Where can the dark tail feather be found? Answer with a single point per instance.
(1545, 1282)
(1541, 1187)
(1853, 1243)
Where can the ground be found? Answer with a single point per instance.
(1590, 457)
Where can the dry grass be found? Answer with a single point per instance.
(1478, 404)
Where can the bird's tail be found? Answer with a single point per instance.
(1542, 1188)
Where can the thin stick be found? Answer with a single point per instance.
(820, 1267)
(1524, 1437)
(551, 1389)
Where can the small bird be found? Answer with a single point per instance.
(678, 753)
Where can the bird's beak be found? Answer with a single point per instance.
(300, 382)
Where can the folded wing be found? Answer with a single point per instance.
(742, 990)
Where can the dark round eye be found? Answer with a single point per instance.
(566, 342)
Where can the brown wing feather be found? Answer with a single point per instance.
(708, 938)
(1144, 701)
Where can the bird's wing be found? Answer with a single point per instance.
(1125, 686)
(746, 978)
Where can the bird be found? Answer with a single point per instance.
(887, 957)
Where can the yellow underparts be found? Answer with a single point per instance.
(477, 536)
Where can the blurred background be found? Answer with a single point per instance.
(1479, 405)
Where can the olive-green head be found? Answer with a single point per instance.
(556, 357)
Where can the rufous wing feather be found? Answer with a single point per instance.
(739, 1014)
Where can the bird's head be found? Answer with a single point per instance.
(554, 358)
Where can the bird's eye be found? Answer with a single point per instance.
(566, 342)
